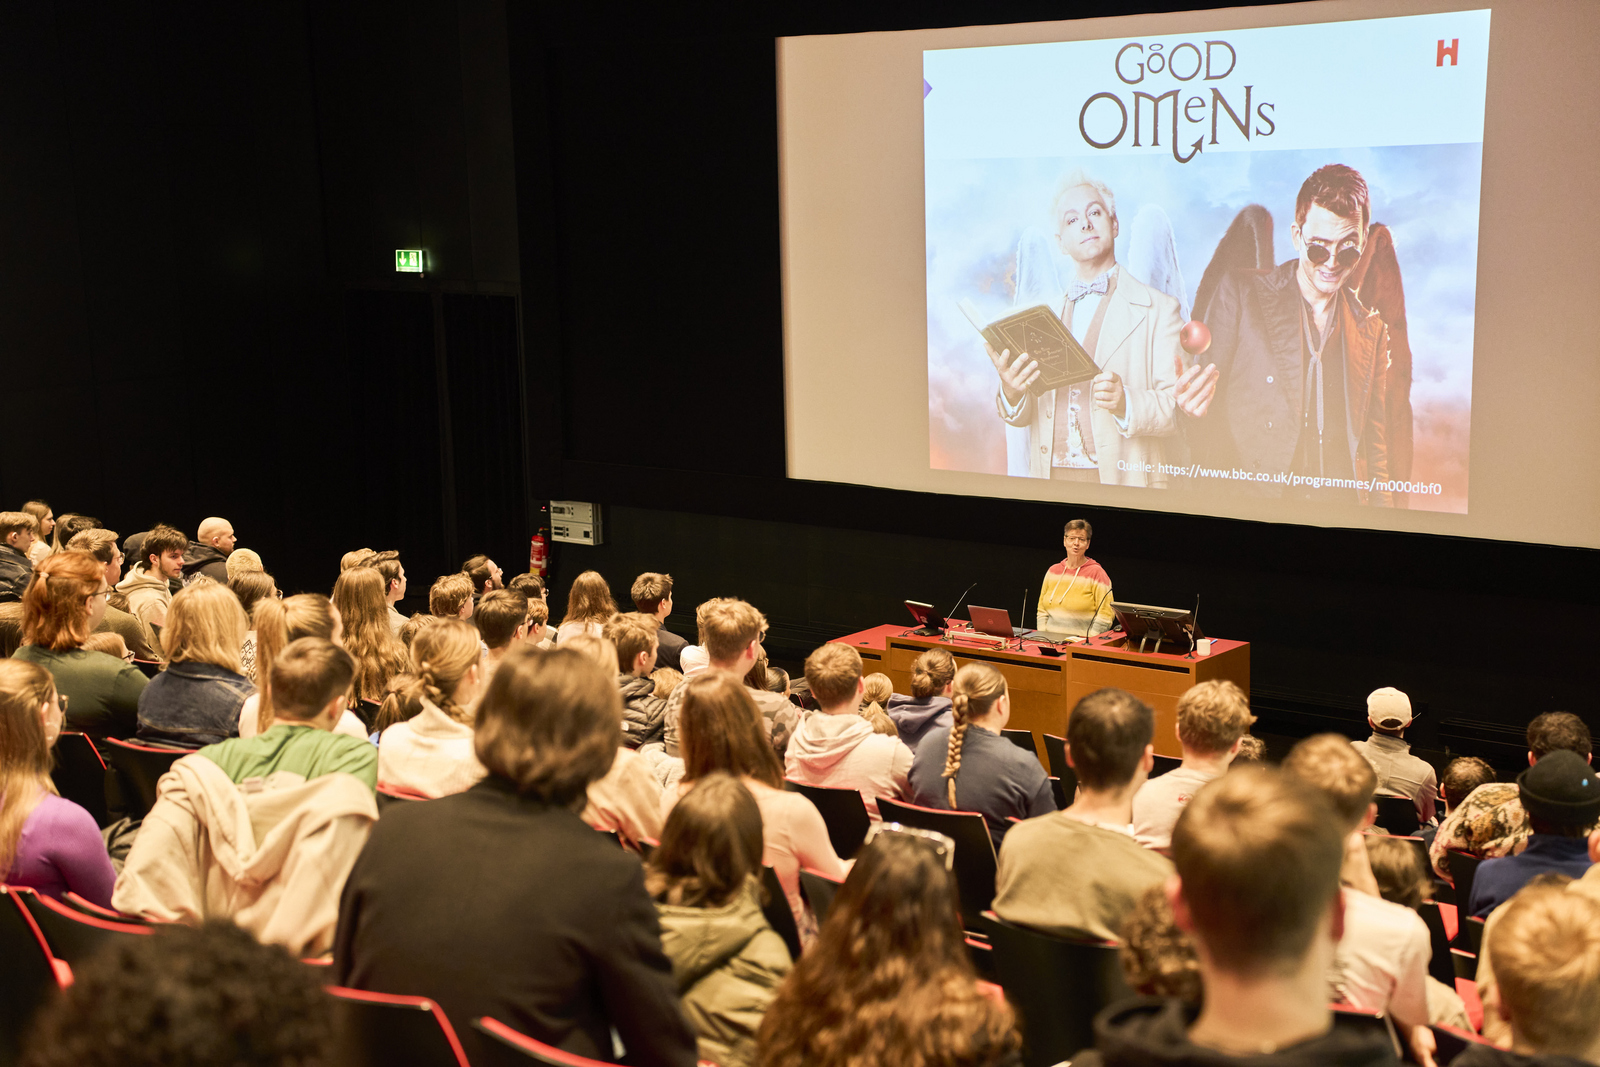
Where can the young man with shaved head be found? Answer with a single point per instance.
(208, 552)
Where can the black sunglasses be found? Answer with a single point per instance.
(1346, 258)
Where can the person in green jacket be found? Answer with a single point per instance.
(310, 680)
(705, 878)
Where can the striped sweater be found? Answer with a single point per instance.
(1076, 601)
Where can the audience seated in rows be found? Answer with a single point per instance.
(1403, 879)
(46, 843)
(705, 878)
(186, 998)
(889, 981)
(45, 516)
(530, 916)
(259, 829)
(277, 623)
(196, 701)
(1213, 718)
(970, 767)
(63, 604)
(1561, 796)
(19, 532)
(208, 553)
(146, 591)
(1257, 855)
(451, 597)
(501, 618)
(379, 655)
(723, 731)
(731, 632)
(928, 707)
(1489, 822)
(425, 734)
(636, 637)
(589, 606)
(102, 545)
(1494, 1024)
(837, 748)
(1079, 872)
(251, 587)
(1400, 774)
(1382, 959)
(652, 595)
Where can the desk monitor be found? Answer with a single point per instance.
(929, 622)
(1148, 623)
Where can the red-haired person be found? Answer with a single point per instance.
(65, 602)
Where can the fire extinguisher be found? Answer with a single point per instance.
(539, 554)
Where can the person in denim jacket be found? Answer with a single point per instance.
(197, 699)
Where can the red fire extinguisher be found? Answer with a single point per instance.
(539, 555)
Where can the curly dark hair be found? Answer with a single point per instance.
(186, 997)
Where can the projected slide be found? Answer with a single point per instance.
(1220, 263)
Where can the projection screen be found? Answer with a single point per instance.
(1316, 263)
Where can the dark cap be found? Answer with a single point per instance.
(1561, 789)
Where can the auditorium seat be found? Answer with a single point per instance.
(776, 909)
(1055, 748)
(1057, 985)
(1449, 1043)
(844, 812)
(80, 774)
(73, 935)
(395, 794)
(505, 1047)
(1023, 739)
(148, 667)
(1164, 764)
(1361, 1021)
(1060, 794)
(367, 711)
(1439, 965)
(1397, 815)
(382, 1029)
(1470, 937)
(975, 862)
(138, 768)
(73, 900)
(28, 977)
(819, 890)
(1463, 867)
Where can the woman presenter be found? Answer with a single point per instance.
(1075, 600)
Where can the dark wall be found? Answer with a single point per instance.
(649, 205)
(198, 310)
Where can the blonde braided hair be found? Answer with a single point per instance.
(977, 687)
(444, 653)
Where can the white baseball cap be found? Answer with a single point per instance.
(1389, 708)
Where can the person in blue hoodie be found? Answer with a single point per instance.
(928, 706)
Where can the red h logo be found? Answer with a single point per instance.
(1447, 51)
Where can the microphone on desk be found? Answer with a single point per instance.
(1022, 620)
(1096, 614)
(953, 610)
(1194, 624)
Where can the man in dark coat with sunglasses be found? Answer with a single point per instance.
(1295, 407)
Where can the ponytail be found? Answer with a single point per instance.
(443, 655)
(931, 672)
(977, 687)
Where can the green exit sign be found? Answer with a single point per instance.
(408, 260)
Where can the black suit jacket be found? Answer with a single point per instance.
(1257, 344)
(494, 904)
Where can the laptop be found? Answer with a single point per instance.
(994, 621)
(929, 622)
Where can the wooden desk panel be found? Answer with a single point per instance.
(1044, 689)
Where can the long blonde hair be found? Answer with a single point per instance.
(977, 687)
(443, 654)
(24, 751)
(277, 622)
(379, 655)
(205, 624)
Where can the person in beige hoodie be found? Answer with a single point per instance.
(425, 728)
(145, 591)
(836, 747)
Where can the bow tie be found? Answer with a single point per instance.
(1076, 291)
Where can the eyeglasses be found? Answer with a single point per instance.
(61, 702)
(943, 847)
(102, 593)
(1347, 257)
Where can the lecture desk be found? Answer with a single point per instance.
(1044, 688)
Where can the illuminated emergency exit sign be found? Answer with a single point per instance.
(408, 260)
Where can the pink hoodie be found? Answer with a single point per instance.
(842, 752)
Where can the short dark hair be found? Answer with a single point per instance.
(529, 585)
(387, 564)
(182, 995)
(1078, 524)
(477, 568)
(161, 540)
(550, 723)
(307, 674)
(649, 590)
(1338, 188)
(1556, 730)
(498, 615)
(1107, 734)
(1462, 776)
(1258, 852)
(99, 543)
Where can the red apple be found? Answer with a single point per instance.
(1195, 337)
